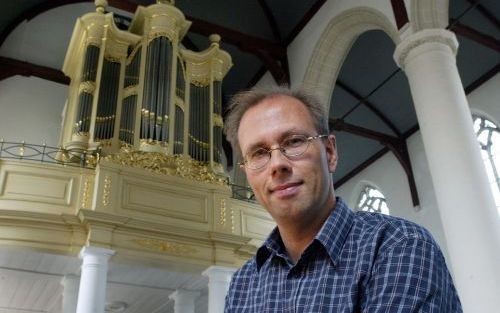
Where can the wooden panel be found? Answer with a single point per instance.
(255, 225)
(166, 201)
(54, 189)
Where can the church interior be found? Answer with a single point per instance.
(119, 192)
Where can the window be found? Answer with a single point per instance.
(372, 200)
(488, 135)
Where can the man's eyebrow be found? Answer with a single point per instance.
(254, 146)
(289, 132)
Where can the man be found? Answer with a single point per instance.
(322, 257)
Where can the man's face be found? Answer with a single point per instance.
(291, 189)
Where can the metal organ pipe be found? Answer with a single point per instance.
(127, 122)
(89, 72)
(156, 99)
(108, 94)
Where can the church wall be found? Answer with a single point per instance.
(31, 110)
(486, 100)
(387, 174)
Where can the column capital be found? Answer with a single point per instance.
(96, 252)
(183, 293)
(424, 39)
(219, 273)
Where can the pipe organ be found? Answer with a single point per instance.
(139, 89)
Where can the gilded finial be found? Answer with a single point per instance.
(100, 5)
(214, 39)
(171, 2)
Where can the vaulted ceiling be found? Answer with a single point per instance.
(371, 110)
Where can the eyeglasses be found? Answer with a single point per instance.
(291, 146)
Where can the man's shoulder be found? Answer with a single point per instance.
(387, 230)
(246, 271)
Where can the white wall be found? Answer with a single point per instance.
(30, 110)
(486, 99)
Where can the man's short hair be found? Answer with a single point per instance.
(244, 100)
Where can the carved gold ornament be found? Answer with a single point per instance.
(106, 191)
(222, 217)
(218, 120)
(85, 193)
(165, 246)
(174, 165)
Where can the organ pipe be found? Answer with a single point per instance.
(141, 89)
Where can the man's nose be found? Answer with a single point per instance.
(278, 161)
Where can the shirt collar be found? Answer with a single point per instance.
(332, 235)
(334, 231)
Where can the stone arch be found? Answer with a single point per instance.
(429, 14)
(334, 45)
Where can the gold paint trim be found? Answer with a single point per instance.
(165, 246)
(86, 86)
(173, 165)
(218, 120)
(106, 191)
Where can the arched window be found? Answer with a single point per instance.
(372, 200)
(488, 135)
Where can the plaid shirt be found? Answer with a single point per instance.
(358, 262)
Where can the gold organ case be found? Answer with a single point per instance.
(140, 90)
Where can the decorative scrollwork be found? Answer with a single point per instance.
(174, 165)
(85, 193)
(222, 216)
(165, 246)
(106, 191)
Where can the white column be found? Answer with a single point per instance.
(184, 300)
(466, 205)
(219, 278)
(92, 293)
(70, 293)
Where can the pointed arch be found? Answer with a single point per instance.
(334, 45)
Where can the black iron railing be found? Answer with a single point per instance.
(48, 154)
(242, 193)
(79, 158)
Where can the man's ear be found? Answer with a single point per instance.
(331, 153)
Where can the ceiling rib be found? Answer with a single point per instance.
(279, 74)
(295, 31)
(486, 13)
(369, 105)
(484, 78)
(471, 87)
(307, 17)
(475, 35)
(31, 13)
(271, 54)
(271, 19)
(395, 144)
(360, 167)
(400, 13)
(11, 67)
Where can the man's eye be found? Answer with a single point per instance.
(258, 153)
(294, 141)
